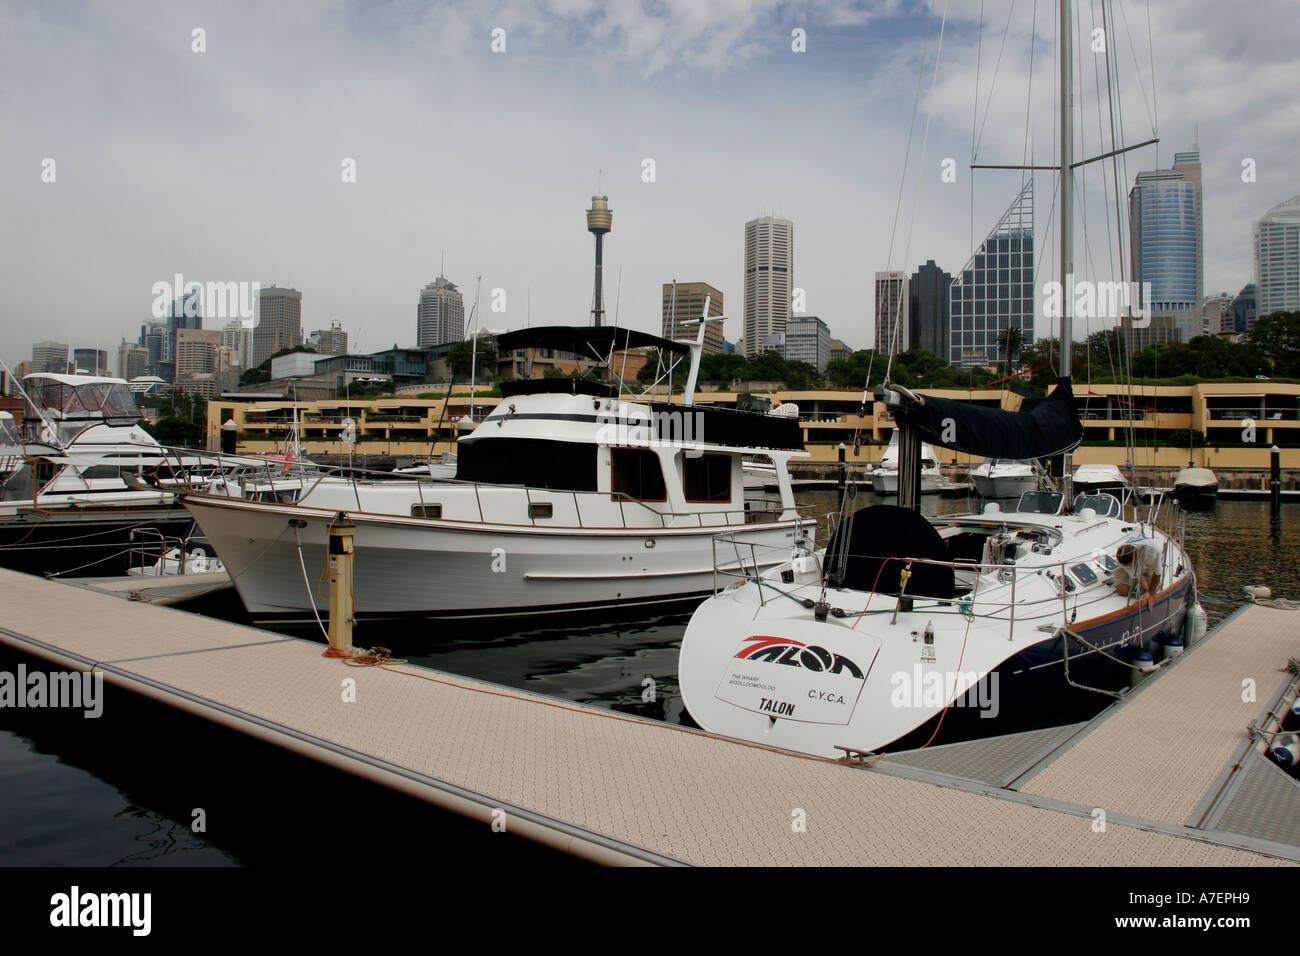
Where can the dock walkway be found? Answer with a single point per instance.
(611, 787)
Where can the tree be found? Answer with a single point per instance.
(176, 432)
(1277, 336)
(1010, 340)
(461, 360)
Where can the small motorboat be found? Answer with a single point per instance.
(999, 478)
(1196, 488)
(1099, 479)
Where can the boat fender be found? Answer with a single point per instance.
(1286, 751)
(1173, 645)
(1257, 591)
(1143, 665)
(1195, 624)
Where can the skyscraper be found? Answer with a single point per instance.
(930, 309)
(331, 341)
(197, 351)
(279, 323)
(50, 357)
(440, 314)
(1166, 248)
(132, 360)
(239, 340)
(1277, 258)
(808, 339)
(893, 331)
(91, 361)
(1245, 308)
(683, 303)
(185, 313)
(995, 289)
(153, 337)
(769, 280)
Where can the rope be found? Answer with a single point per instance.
(306, 584)
(375, 657)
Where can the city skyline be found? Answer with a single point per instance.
(511, 209)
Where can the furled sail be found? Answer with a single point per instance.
(1052, 427)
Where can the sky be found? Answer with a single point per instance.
(135, 148)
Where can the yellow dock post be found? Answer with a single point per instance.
(341, 532)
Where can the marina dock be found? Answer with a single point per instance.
(619, 789)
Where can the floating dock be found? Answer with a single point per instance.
(613, 788)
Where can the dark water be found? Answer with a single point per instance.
(122, 790)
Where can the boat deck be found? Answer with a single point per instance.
(164, 589)
(606, 786)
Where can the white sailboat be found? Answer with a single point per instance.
(906, 624)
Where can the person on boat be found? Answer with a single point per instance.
(1138, 561)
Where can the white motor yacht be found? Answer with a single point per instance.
(996, 478)
(568, 495)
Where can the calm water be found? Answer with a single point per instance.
(122, 790)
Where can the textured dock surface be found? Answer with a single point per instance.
(641, 789)
(1161, 753)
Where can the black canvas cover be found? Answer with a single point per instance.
(1051, 427)
(883, 532)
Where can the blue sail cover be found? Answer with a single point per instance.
(1052, 427)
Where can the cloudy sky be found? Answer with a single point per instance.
(227, 164)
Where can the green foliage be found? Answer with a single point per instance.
(1204, 357)
(461, 360)
(177, 432)
(365, 392)
(1277, 337)
(552, 372)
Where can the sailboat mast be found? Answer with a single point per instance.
(1067, 189)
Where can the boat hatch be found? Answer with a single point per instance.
(1084, 574)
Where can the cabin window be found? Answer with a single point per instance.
(426, 511)
(103, 471)
(706, 477)
(535, 462)
(540, 510)
(636, 472)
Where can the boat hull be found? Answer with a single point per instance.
(86, 542)
(780, 678)
(1003, 486)
(886, 483)
(1195, 497)
(430, 568)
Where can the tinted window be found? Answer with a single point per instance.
(706, 478)
(536, 462)
(636, 473)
